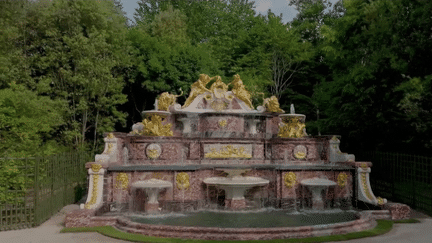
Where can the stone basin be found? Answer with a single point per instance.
(236, 181)
(316, 186)
(152, 188)
(152, 183)
(235, 188)
(318, 182)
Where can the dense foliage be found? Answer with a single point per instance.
(73, 69)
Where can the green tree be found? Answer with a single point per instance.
(371, 52)
(164, 61)
(28, 122)
(75, 51)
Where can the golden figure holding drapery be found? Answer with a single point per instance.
(198, 88)
(240, 91)
(218, 88)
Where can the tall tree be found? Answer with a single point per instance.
(371, 52)
(164, 60)
(75, 50)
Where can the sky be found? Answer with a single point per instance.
(261, 6)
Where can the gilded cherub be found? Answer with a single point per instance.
(240, 91)
(218, 87)
(272, 104)
(198, 88)
(166, 99)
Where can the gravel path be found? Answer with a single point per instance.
(50, 232)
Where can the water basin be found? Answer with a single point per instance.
(268, 218)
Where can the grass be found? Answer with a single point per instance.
(407, 221)
(382, 227)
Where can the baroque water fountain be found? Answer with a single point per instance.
(217, 160)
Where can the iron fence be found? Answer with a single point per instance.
(401, 178)
(34, 189)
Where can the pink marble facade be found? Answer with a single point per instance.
(235, 204)
(211, 124)
(152, 207)
(398, 210)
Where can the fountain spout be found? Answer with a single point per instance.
(292, 110)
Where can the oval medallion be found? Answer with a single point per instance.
(153, 151)
(300, 152)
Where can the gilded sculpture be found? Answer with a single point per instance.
(96, 167)
(272, 105)
(222, 123)
(198, 88)
(240, 91)
(380, 201)
(122, 181)
(154, 127)
(166, 100)
(292, 128)
(182, 181)
(364, 185)
(342, 179)
(228, 152)
(94, 191)
(218, 88)
(290, 179)
(152, 153)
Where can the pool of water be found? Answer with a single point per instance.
(262, 219)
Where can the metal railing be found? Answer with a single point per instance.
(401, 178)
(34, 189)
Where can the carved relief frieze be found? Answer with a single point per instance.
(222, 151)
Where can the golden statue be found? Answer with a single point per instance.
(198, 88)
(154, 127)
(166, 99)
(293, 128)
(272, 104)
(240, 91)
(218, 87)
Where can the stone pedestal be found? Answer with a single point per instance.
(398, 210)
(152, 207)
(317, 202)
(235, 203)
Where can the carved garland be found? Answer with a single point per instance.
(342, 179)
(122, 181)
(94, 192)
(365, 187)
